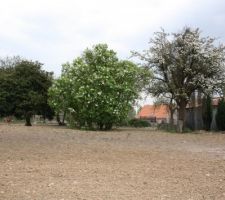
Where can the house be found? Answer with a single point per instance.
(154, 113)
(193, 114)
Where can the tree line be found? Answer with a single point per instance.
(97, 89)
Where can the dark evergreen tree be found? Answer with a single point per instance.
(207, 112)
(220, 116)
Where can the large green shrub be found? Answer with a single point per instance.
(96, 89)
(139, 123)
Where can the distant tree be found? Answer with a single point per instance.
(32, 88)
(24, 89)
(207, 112)
(220, 115)
(98, 89)
(182, 63)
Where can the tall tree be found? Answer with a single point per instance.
(182, 63)
(32, 88)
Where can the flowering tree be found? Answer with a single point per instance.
(182, 63)
(98, 89)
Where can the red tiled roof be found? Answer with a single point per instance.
(149, 111)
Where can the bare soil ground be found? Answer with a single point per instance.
(54, 163)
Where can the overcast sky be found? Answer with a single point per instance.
(56, 31)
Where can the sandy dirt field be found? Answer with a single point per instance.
(55, 163)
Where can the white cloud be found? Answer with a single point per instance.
(56, 31)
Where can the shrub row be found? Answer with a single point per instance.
(139, 123)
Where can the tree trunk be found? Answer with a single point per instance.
(28, 118)
(100, 125)
(64, 116)
(181, 116)
(90, 125)
(58, 119)
(172, 110)
(44, 118)
(171, 116)
(61, 123)
(108, 126)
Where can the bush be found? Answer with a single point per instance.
(98, 88)
(139, 123)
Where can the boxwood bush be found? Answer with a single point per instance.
(139, 123)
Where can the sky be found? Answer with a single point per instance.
(57, 31)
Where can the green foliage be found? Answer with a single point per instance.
(24, 88)
(97, 89)
(137, 123)
(220, 115)
(59, 98)
(207, 112)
